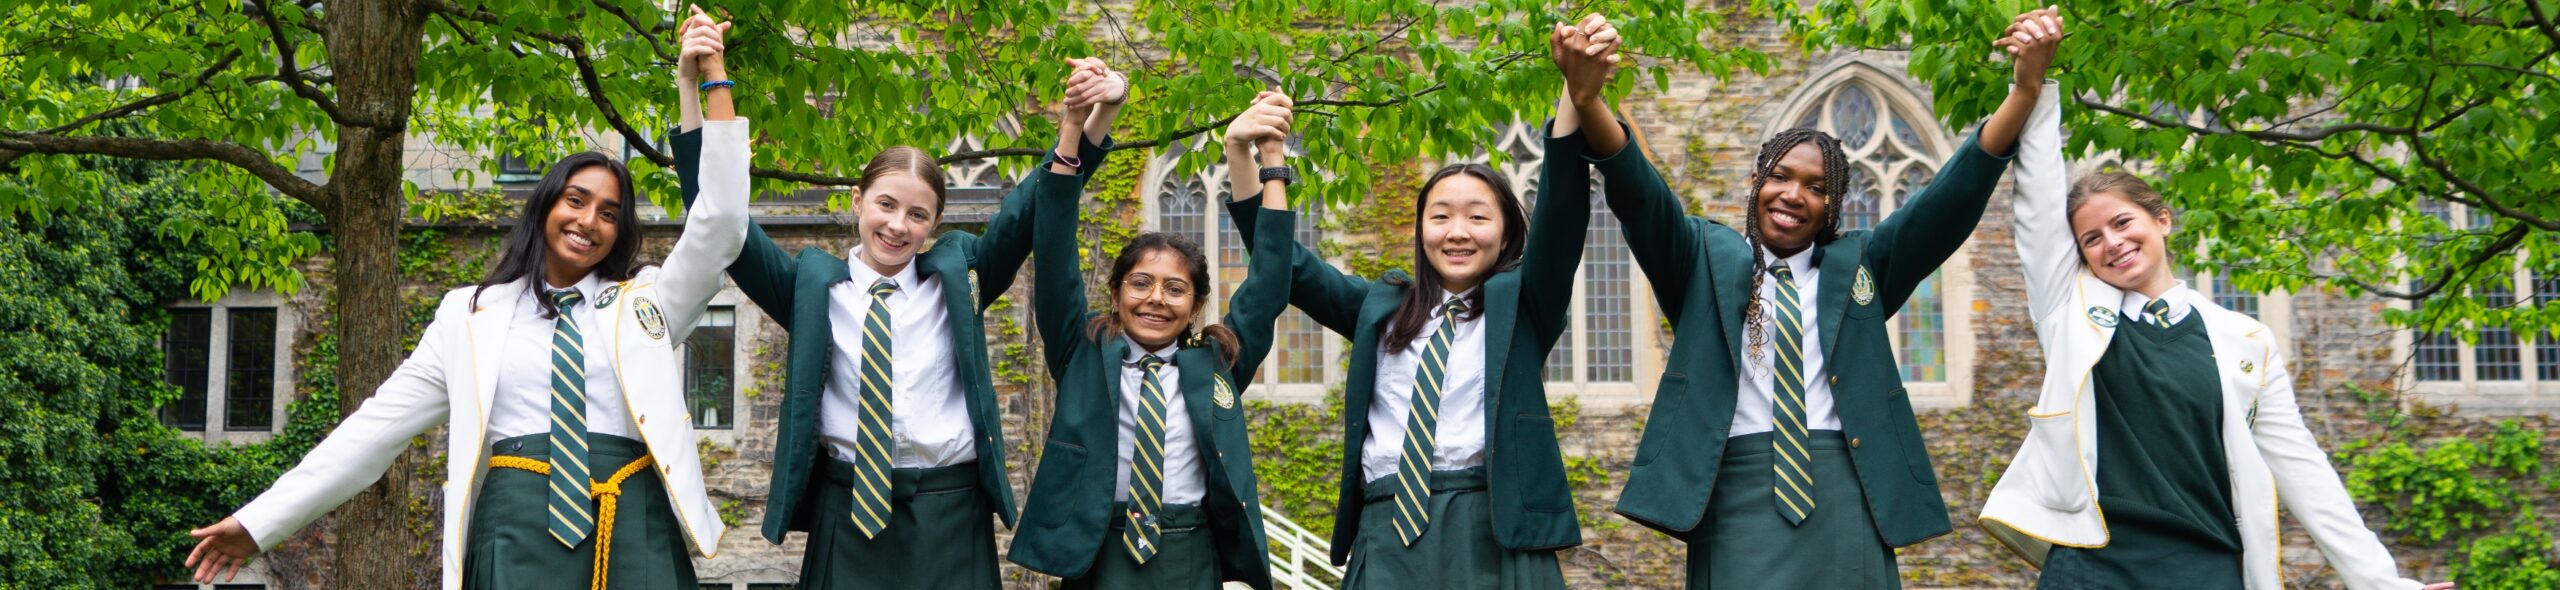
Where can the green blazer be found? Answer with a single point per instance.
(1524, 313)
(1700, 272)
(793, 291)
(1068, 525)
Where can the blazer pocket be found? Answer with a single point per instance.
(1906, 429)
(1060, 464)
(2051, 461)
(1670, 414)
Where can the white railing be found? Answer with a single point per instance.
(1300, 560)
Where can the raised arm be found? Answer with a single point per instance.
(1001, 251)
(759, 266)
(1325, 293)
(1927, 229)
(715, 224)
(2038, 220)
(1257, 304)
(1057, 281)
(1665, 240)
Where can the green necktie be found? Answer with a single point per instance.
(1795, 476)
(572, 508)
(1413, 466)
(1144, 533)
(871, 449)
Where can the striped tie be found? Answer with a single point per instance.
(871, 449)
(1795, 481)
(1413, 466)
(572, 514)
(2159, 310)
(1144, 533)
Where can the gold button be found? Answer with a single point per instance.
(1853, 443)
(644, 418)
(1835, 379)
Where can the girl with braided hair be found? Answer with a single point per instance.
(1782, 447)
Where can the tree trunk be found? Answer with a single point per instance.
(386, 536)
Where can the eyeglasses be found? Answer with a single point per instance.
(1145, 285)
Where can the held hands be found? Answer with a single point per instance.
(224, 547)
(1090, 85)
(1263, 126)
(1586, 52)
(702, 48)
(2031, 41)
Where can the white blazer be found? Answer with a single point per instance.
(454, 373)
(2049, 495)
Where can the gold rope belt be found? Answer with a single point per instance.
(606, 493)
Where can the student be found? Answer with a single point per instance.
(1470, 492)
(1782, 447)
(550, 371)
(890, 451)
(1137, 487)
(2183, 467)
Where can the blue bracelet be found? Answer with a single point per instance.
(707, 86)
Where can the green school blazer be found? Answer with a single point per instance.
(1067, 526)
(1524, 313)
(792, 290)
(1700, 272)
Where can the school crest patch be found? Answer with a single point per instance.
(2246, 366)
(2103, 317)
(1864, 289)
(651, 320)
(973, 286)
(606, 298)
(1226, 394)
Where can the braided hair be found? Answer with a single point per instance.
(1835, 174)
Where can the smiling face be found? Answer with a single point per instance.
(898, 212)
(1794, 200)
(2123, 243)
(582, 225)
(1462, 227)
(1155, 301)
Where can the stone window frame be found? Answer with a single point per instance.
(748, 325)
(1956, 279)
(1208, 169)
(218, 364)
(2531, 389)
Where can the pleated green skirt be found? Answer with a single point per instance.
(1457, 552)
(511, 543)
(1744, 544)
(1187, 558)
(941, 534)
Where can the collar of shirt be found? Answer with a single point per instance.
(587, 287)
(1467, 295)
(1801, 264)
(1138, 352)
(862, 276)
(2181, 300)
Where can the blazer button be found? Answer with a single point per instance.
(643, 419)
(1835, 379)
(1853, 442)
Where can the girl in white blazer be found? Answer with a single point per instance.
(2095, 259)
(579, 230)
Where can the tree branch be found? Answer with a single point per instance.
(2507, 240)
(2310, 136)
(147, 103)
(612, 116)
(646, 33)
(292, 74)
(254, 162)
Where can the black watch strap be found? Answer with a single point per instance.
(1284, 174)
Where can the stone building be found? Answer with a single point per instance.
(1966, 349)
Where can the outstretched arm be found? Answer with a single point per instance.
(1007, 242)
(716, 225)
(1665, 241)
(1257, 304)
(1927, 229)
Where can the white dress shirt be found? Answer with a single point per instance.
(1459, 434)
(523, 404)
(1183, 483)
(928, 417)
(1753, 411)
(2181, 300)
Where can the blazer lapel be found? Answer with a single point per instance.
(1501, 322)
(489, 322)
(1842, 260)
(1730, 270)
(1199, 366)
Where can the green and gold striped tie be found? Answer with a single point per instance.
(1144, 533)
(572, 510)
(1413, 466)
(871, 449)
(1794, 465)
(2159, 310)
